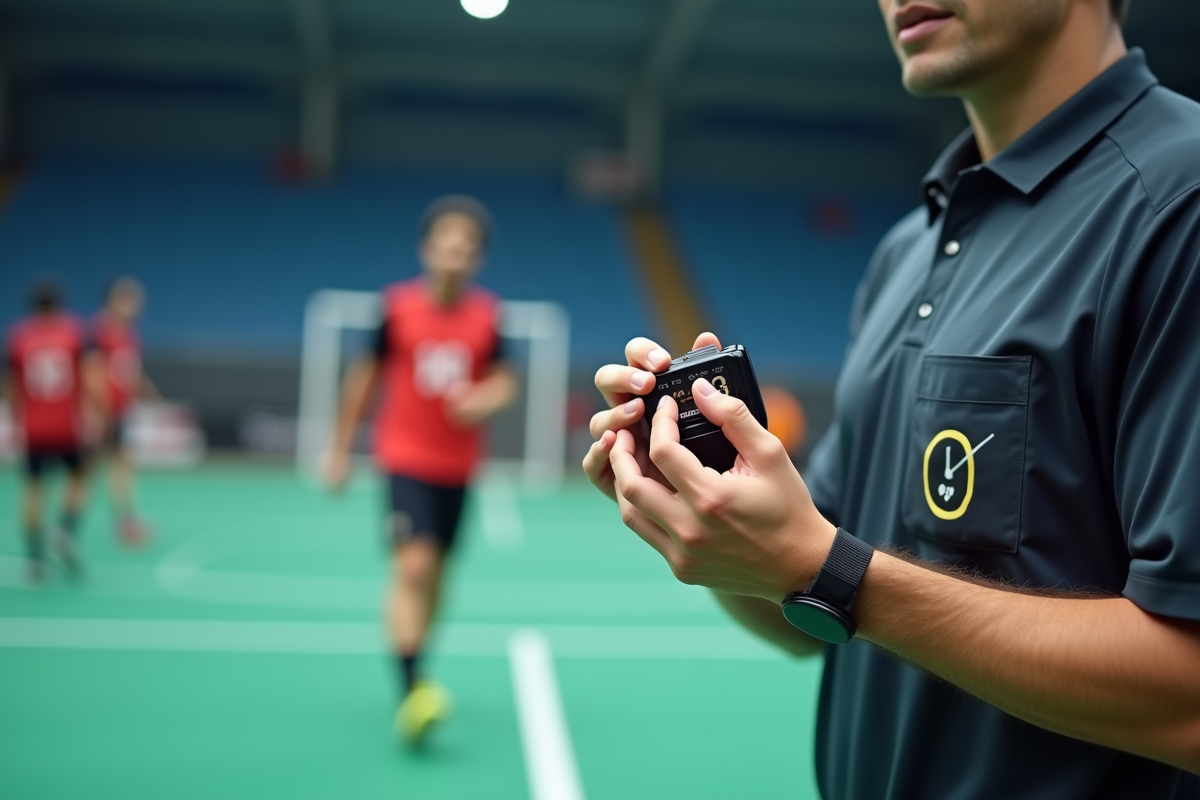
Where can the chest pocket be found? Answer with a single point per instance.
(966, 463)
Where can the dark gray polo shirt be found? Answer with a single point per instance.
(1021, 395)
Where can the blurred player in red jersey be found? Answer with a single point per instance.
(120, 364)
(438, 360)
(45, 381)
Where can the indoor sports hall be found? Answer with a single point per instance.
(211, 619)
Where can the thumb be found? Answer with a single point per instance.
(740, 427)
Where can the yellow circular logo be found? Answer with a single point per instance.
(948, 487)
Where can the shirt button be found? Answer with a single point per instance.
(952, 247)
(924, 310)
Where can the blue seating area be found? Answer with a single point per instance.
(229, 255)
(771, 279)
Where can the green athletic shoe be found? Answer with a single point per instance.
(425, 705)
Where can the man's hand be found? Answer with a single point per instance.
(337, 470)
(468, 404)
(622, 387)
(752, 531)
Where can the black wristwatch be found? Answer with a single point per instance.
(823, 609)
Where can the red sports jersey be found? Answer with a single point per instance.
(122, 351)
(44, 354)
(428, 349)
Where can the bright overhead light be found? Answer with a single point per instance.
(484, 9)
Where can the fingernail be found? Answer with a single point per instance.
(639, 379)
(703, 387)
(662, 401)
(631, 406)
(656, 356)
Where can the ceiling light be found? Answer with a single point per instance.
(484, 9)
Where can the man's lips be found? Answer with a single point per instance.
(923, 28)
(915, 22)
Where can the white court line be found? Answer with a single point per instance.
(503, 528)
(461, 640)
(549, 758)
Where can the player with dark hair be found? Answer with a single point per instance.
(438, 361)
(120, 362)
(46, 384)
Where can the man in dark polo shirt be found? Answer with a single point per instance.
(1017, 432)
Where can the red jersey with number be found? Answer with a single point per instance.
(122, 351)
(44, 355)
(426, 349)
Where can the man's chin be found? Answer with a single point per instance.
(928, 75)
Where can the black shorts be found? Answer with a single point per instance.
(420, 510)
(37, 459)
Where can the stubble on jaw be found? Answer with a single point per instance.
(1012, 25)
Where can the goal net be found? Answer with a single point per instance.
(527, 440)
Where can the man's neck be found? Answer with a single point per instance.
(1005, 108)
(115, 319)
(445, 291)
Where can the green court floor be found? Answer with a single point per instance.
(241, 657)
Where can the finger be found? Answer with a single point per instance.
(647, 529)
(678, 465)
(646, 494)
(617, 418)
(616, 383)
(705, 339)
(596, 466)
(740, 427)
(646, 354)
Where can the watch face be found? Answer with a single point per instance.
(818, 619)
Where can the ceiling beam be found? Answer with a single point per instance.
(644, 111)
(674, 45)
(319, 94)
(314, 36)
(365, 72)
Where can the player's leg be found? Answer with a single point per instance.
(31, 517)
(66, 541)
(423, 529)
(412, 602)
(131, 530)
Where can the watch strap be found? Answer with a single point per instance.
(843, 570)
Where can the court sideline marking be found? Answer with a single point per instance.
(454, 639)
(549, 757)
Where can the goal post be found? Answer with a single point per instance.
(541, 325)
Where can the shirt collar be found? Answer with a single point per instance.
(1027, 162)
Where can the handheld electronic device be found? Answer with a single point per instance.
(731, 372)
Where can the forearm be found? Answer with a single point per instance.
(356, 390)
(764, 619)
(496, 390)
(8, 389)
(148, 391)
(1098, 669)
(95, 383)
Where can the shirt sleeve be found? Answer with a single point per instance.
(499, 350)
(381, 341)
(823, 475)
(1154, 421)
